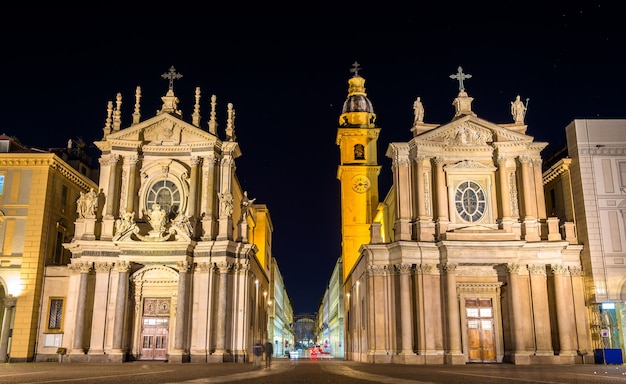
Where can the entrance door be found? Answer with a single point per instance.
(155, 329)
(480, 331)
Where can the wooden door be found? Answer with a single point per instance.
(155, 329)
(480, 331)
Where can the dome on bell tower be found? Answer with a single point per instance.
(357, 110)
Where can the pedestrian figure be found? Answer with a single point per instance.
(269, 351)
(257, 350)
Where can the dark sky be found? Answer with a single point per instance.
(286, 72)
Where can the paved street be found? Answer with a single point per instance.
(307, 372)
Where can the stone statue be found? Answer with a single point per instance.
(157, 217)
(226, 201)
(418, 110)
(125, 222)
(518, 110)
(87, 204)
(245, 205)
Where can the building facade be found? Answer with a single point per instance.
(587, 186)
(169, 253)
(462, 263)
(38, 191)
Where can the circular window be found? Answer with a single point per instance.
(470, 202)
(167, 195)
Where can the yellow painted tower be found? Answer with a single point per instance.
(358, 171)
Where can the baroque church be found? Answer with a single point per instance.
(459, 262)
(169, 255)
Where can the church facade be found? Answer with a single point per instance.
(170, 258)
(459, 263)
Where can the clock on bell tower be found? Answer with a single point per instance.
(357, 137)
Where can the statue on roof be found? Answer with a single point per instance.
(418, 110)
(518, 110)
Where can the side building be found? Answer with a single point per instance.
(460, 262)
(169, 253)
(586, 186)
(38, 192)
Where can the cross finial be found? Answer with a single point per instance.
(460, 76)
(355, 68)
(171, 75)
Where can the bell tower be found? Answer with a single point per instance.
(357, 137)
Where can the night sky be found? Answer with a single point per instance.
(286, 72)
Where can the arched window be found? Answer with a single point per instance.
(167, 195)
(359, 152)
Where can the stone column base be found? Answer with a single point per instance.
(455, 359)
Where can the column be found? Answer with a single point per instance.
(208, 197)
(123, 267)
(540, 199)
(531, 232)
(220, 341)
(402, 182)
(516, 315)
(225, 231)
(454, 318)
(541, 310)
(441, 197)
(79, 326)
(192, 209)
(100, 302)
(181, 309)
(563, 311)
(420, 190)
(9, 304)
(505, 193)
(132, 175)
(112, 186)
(421, 311)
(405, 309)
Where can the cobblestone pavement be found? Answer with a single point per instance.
(307, 372)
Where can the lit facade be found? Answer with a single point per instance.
(462, 264)
(171, 261)
(588, 187)
(38, 191)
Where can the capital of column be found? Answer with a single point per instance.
(103, 266)
(132, 159)
(377, 270)
(438, 161)
(10, 301)
(537, 269)
(81, 266)
(204, 267)
(196, 161)
(449, 267)
(559, 269)
(424, 268)
(524, 159)
(513, 268)
(224, 267)
(183, 266)
(404, 268)
(501, 161)
(575, 271)
(123, 266)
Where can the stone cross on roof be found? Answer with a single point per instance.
(355, 68)
(460, 76)
(171, 75)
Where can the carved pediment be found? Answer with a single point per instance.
(472, 131)
(163, 129)
(470, 164)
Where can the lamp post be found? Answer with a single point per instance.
(9, 304)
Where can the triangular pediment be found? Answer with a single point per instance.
(163, 129)
(471, 131)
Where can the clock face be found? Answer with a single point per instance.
(360, 183)
(470, 202)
